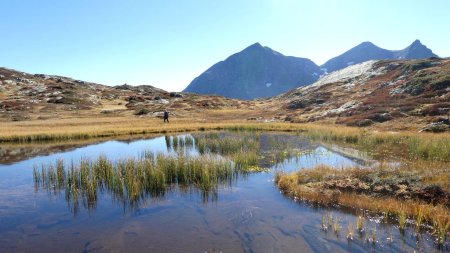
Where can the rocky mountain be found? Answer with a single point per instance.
(255, 72)
(368, 51)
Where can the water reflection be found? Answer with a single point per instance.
(199, 163)
(13, 153)
(245, 211)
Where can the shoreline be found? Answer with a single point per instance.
(347, 189)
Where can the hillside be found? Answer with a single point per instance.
(368, 51)
(255, 72)
(393, 94)
(26, 96)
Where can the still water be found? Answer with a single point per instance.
(250, 215)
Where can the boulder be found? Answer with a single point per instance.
(362, 123)
(437, 127)
(381, 117)
(175, 95)
(297, 104)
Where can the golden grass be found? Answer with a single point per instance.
(407, 144)
(306, 184)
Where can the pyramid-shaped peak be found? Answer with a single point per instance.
(416, 43)
(255, 46)
(259, 49)
(367, 43)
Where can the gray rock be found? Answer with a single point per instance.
(436, 127)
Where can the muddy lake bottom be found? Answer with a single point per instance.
(247, 215)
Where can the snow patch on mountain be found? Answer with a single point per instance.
(345, 75)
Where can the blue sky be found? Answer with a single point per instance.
(168, 43)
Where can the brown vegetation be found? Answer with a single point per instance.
(395, 192)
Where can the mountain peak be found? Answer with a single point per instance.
(417, 43)
(367, 43)
(254, 46)
(416, 50)
(255, 72)
(369, 51)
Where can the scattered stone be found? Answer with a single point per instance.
(320, 101)
(135, 99)
(443, 120)
(343, 108)
(175, 95)
(55, 100)
(364, 123)
(296, 104)
(163, 101)
(39, 75)
(381, 117)
(289, 118)
(437, 127)
(142, 111)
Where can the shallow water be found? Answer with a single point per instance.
(250, 215)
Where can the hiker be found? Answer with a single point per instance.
(166, 116)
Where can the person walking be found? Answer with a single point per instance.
(166, 116)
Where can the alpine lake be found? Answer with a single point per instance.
(188, 192)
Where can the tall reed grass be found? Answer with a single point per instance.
(132, 181)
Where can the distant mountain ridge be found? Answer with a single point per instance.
(368, 51)
(255, 72)
(259, 71)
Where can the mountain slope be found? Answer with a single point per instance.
(26, 96)
(391, 95)
(255, 72)
(374, 92)
(368, 51)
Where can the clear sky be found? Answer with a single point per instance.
(168, 43)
